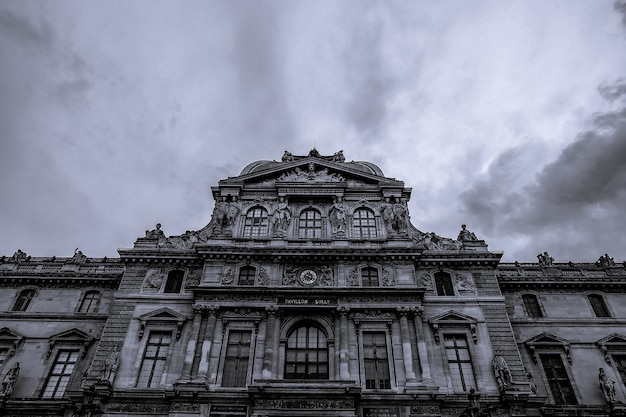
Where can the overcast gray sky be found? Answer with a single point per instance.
(509, 116)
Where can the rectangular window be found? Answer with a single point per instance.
(443, 282)
(60, 374)
(237, 357)
(369, 277)
(90, 302)
(531, 303)
(375, 361)
(558, 380)
(154, 360)
(459, 362)
(23, 300)
(598, 306)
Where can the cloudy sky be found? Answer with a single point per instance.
(508, 116)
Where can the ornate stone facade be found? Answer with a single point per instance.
(310, 292)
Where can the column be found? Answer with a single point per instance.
(421, 347)
(191, 344)
(203, 366)
(407, 352)
(270, 343)
(344, 370)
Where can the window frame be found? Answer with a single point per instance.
(366, 278)
(385, 361)
(94, 302)
(177, 276)
(20, 300)
(52, 372)
(256, 227)
(364, 223)
(319, 376)
(304, 224)
(534, 304)
(250, 280)
(224, 359)
(599, 306)
(438, 284)
(461, 335)
(142, 358)
(544, 353)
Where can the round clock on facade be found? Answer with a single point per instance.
(308, 277)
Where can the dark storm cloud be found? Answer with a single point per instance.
(613, 91)
(18, 28)
(368, 81)
(620, 6)
(566, 209)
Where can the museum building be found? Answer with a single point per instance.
(311, 293)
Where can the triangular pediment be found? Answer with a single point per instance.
(71, 336)
(547, 339)
(310, 170)
(8, 336)
(614, 339)
(453, 317)
(163, 314)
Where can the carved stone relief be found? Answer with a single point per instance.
(154, 279)
(264, 278)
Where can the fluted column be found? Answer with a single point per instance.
(407, 351)
(344, 370)
(203, 365)
(191, 344)
(421, 347)
(270, 342)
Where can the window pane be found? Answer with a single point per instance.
(459, 362)
(558, 380)
(306, 354)
(443, 282)
(154, 360)
(369, 277)
(376, 364)
(23, 300)
(247, 275)
(174, 281)
(90, 302)
(599, 308)
(60, 374)
(364, 224)
(310, 224)
(256, 223)
(531, 303)
(237, 359)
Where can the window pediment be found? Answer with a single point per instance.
(72, 337)
(612, 343)
(162, 316)
(453, 319)
(547, 341)
(10, 338)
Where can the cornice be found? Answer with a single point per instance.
(55, 281)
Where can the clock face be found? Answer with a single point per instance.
(308, 277)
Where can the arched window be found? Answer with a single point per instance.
(598, 305)
(90, 302)
(256, 223)
(369, 277)
(443, 283)
(310, 224)
(24, 299)
(364, 224)
(247, 275)
(531, 304)
(306, 356)
(174, 281)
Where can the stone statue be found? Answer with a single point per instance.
(502, 372)
(388, 214)
(224, 214)
(531, 383)
(10, 379)
(287, 157)
(19, 256)
(281, 217)
(400, 216)
(607, 386)
(78, 258)
(338, 216)
(338, 157)
(465, 235)
(110, 366)
(155, 233)
(605, 261)
(474, 403)
(545, 259)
